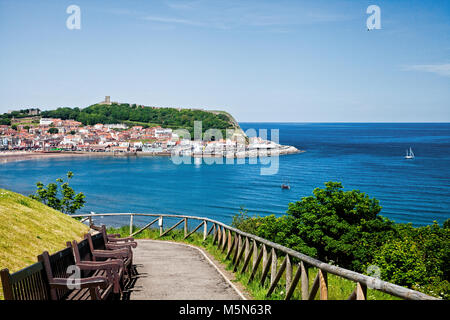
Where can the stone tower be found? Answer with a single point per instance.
(107, 100)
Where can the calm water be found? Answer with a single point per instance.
(368, 157)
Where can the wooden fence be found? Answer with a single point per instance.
(247, 252)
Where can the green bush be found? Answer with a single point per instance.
(345, 228)
(418, 258)
(401, 262)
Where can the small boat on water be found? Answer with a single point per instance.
(409, 154)
(285, 186)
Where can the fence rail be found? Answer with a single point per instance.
(243, 248)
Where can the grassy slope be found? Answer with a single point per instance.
(27, 228)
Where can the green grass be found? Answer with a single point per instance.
(28, 227)
(338, 288)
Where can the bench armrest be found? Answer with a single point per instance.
(114, 265)
(117, 254)
(90, 282)
(111, 266)
(116, 245)
(114, 235)
(114, 239)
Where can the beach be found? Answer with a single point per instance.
(12, 156)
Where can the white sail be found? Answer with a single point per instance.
(409, 154)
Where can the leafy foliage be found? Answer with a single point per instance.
(138, 115)
(340, 226)
(5, 118)
(345, 228)
(418, 258)
(59, 196)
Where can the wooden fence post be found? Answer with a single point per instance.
(215, 233)
(219, 236)
(288, 272)
(294, 282)
(323, 282)
(224, 240)
(256, 262)
(255, 253)
(205, 230)
(273, 269)
(231, 247)
(131, 224)
(264, 257)
(277, 277)
(160, 222)
(229, 241)
(248, 255)
(266, 266)
(361, 291)
(305, 281)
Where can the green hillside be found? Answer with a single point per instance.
(173, 118)
(28, 227)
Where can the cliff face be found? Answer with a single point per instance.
(239, 134)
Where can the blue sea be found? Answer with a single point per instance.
(364, 156)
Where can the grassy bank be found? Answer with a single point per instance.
(28, 227)
(339, 288)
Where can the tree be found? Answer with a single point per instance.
(59, 196)
(339, 226)
(336, 226)
(53, 130)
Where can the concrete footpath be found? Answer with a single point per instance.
(174, 271)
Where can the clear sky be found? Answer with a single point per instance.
(260, 60)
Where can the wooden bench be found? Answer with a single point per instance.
(112, 268)
(114, 238)
(101, 252)
(29, 283)
(47, 278)
(94, 286)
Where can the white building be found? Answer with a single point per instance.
(163, 132)
(116, 126)
(45, 121)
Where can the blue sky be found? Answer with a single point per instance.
(260, 60)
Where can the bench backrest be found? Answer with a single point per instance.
(29, 283)
(55, 266)
(95, 242)
(98, 241)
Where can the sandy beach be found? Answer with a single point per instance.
(29, 155)
(13, 156)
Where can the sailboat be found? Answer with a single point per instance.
(409, 154)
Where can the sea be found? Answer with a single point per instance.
(369, 157)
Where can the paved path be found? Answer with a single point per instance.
(173, 271)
